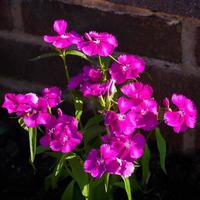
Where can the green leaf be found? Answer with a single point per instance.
(40, 149)
(32, 143)
(76, 53)
(161, 144)
(106, 183)
(145, 165)
(57, 171)
(78, 103)
(70, 156)
(119, 184)
(92, 132)
(46, 55)
(22, 124)
(80, 176)
(68, 193)
(93, 121)
(127, 188)
(54, 154)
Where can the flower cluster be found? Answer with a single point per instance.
(137, 108)
(61, 133)
(90, 82)
(129, 109)
(117, 156)
(31, 108)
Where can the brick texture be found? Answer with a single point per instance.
(15, 63)
(197, 48)
(5, 15)
(148, 36)
(179, 7)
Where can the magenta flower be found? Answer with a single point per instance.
(95, 89)
(137, 92)
(95, 163)
(89, 82)
(145, 114)
(53, 96)
(102, 44)
(62, 134)
(38, 114)
(116, 157)
(185, 117)
(63, 39)
(120, 123)
(129, 147)
(128, 67)
(30, 107)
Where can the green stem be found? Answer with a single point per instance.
(103, 69)
(65, 66)
(114, 59)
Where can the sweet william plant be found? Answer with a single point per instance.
(106, 151)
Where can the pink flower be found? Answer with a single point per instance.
(120, 123)
(185, 117)
(30, 107)
(127, 68)
(63, 39)
(145, 115)
(53, 96)
(38, 114)
(102, 44)
(95, 163)
(90, 82)
(62, 134)
(128, 147)
(116, 157)
(137, 93)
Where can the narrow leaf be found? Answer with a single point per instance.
(80, 176)
(46, 55)
(161, 144)
(32, 143)
(78, 103)
(93, 121)
(76, 53)
(68, 193)
(106, 183)
(22, 124)
(40, 149)
(127, 188)
(57, 171)
(146, 165)
(92, 132)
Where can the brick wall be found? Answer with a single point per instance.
(167, 36)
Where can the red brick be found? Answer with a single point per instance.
(179, 7)
(5, 15)
(197, 48)
(148, 36)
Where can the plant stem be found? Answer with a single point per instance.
(65, 66)
(114, 59)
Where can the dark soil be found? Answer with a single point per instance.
(18, 180)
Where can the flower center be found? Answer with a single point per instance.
(121, 116)
(65, 138)
(143, 112)
(97, 41)
(64, 36)
(127, 144)
(125, 67)
(182, 113)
